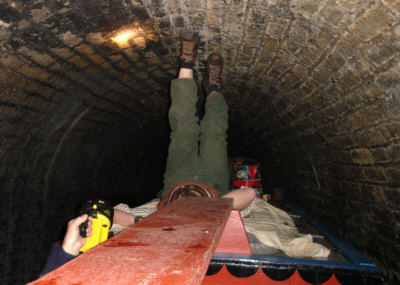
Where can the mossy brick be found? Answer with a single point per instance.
(390, 130)
(132, 55)
(4, 76)
(34, 72)
(96, 58)
(384, 220)
(10, 112)
(84, 48)
(115, 57)
(379, 194)
(393, 175)
(392, 4)
(307, 7)
(13, 95)
(277, 28)
(343, 156)
(41, 15)
(341, 171)
(78, 61)
(96, 38)
(115, 85)
(157, 73)
(59, 67)
(348, 44)
(348, 80)
(153, 60)
(287, 81)
(37, 103)
(381, 154)
(70, 39)
(10, 61)
(106, 66)
(376, 174)
(62, 52)
(334, 15)
(372, 92)
(324, 39)
(373, 21)
(357, 172)
(309, 55)
(124, 64)
(362, 156)
(151, 82)
(58, 82)
(5, 34)
(140, 42)
(142, 75)
(300, 71)
(152, 37)
(349, 4)
(95, 72)
(73, 75)
(382, 49)
(368, 137)
(252, 37)
(353, 192)
(393, 151)
(389, 79)
(198, 20)
(40, 58)
(125, 90)
(356, 120)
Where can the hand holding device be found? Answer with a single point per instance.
(73, 240)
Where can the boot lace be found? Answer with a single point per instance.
(187, 51)
(214, 75)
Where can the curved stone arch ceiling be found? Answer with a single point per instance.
(313, 89)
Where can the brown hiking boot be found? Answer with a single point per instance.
(215, 64)
(189, 45)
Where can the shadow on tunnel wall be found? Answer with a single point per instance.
(120, 163)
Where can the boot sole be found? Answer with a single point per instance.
(188, 35)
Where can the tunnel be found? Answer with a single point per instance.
(313, 89)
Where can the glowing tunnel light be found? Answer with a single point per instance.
(122, 39)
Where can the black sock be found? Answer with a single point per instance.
(187, 64)
(213, 88)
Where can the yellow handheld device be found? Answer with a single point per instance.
(102, 214)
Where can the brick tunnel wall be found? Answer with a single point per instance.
(313, 89)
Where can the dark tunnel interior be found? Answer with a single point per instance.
(313, 89)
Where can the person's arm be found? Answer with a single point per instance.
(56, 258)
(72, 243)
(242, 197)
(122, 218)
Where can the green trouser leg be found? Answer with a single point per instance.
(182, 160)
(213, 159)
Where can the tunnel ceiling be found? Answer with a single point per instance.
(313, 89)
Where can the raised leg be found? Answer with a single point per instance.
(182, 160)
(213, 157)
(214, 167)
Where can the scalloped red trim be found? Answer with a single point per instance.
(224, 277)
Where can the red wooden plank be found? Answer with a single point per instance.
(234, 237)
(172, 246)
